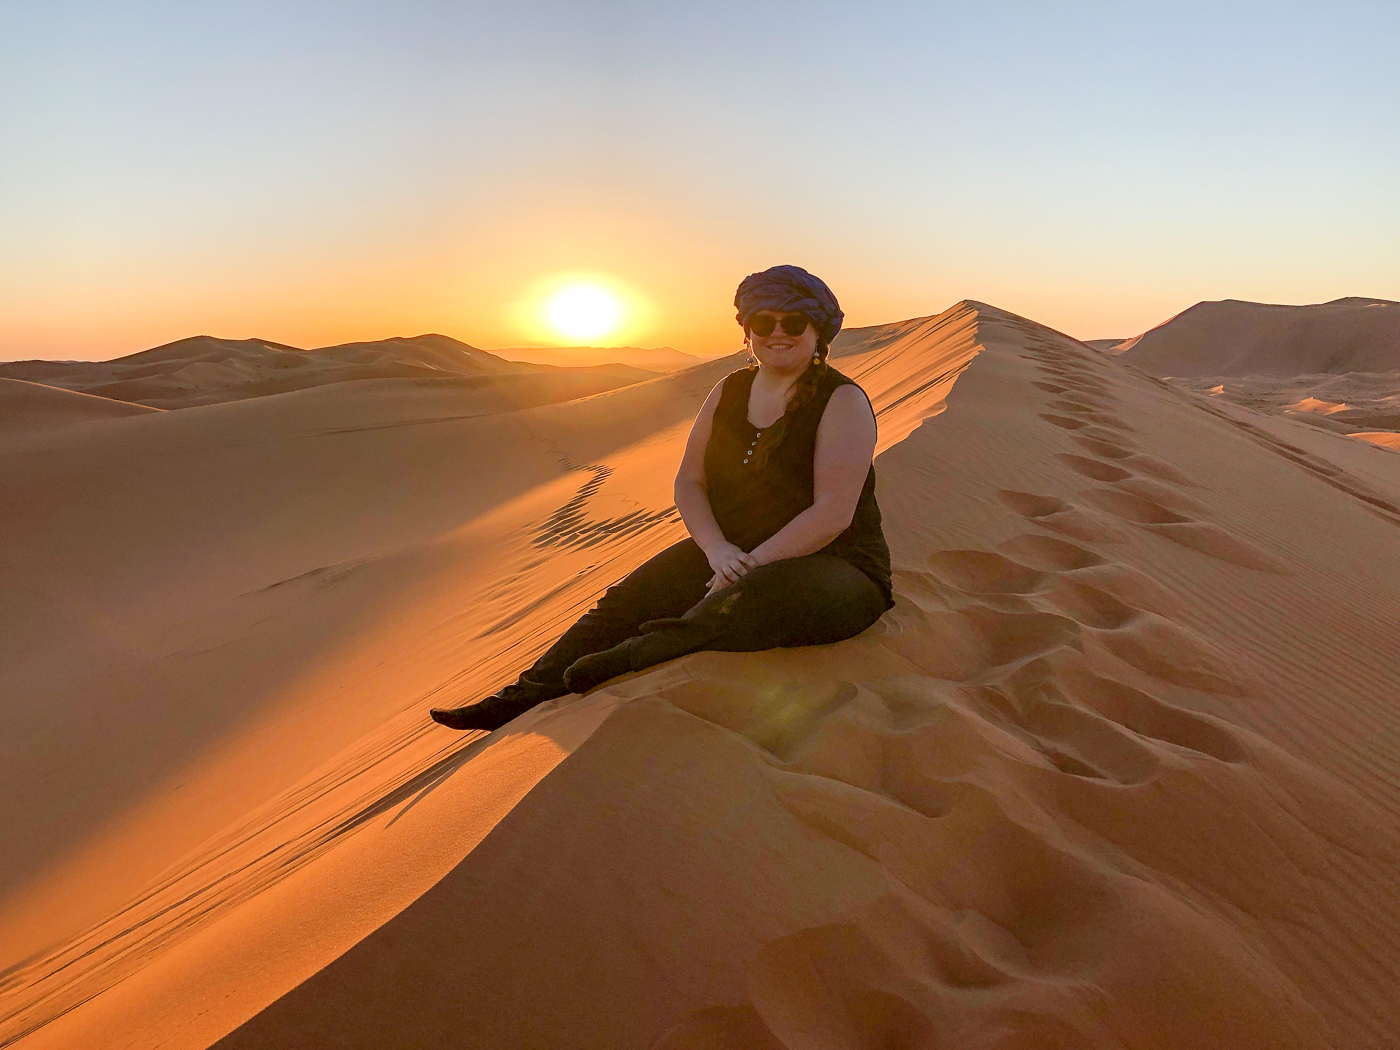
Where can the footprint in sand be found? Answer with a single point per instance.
(1100, 447)
(1017, 610)
(1132, 508)
(1066, 678)
(1139, 501)
(1075, 403)
(1143, 504)
(1146, 464)
(1059, 515)
(977, 572)
(1050, 554)
(1063, 422)
(1093, 468)
(1090, 411)
(1076, 380)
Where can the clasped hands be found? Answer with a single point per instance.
(729, 563)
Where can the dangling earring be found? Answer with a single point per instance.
(816, 359)
(753, 361)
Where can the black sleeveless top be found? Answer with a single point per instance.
(750, 504)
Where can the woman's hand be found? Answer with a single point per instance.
(729, 563)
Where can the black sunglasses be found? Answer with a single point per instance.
(763, 324)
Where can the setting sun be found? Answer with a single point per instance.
(584, 311)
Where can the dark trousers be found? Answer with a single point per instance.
(660, 611)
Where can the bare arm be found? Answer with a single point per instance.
(844, 450)
(693, 499)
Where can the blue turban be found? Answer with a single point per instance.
(790, 289)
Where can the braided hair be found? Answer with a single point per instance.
(802, 391)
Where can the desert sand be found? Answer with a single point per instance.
(1335, 366)
(1120, 769)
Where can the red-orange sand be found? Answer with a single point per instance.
(1121, 769)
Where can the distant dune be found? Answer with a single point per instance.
(1334, 366)
(1234, 338)
(654, 359)
(203, 370)
(1121, 768)
(1104, 344)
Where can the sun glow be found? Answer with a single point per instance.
(581, 307)
(584, 311)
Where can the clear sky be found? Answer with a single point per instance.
(315, 172)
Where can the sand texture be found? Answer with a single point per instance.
(1121, 769)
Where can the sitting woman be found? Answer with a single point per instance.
(777, 490)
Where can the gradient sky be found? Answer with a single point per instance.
(313, 173)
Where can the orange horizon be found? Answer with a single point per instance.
(711, 331)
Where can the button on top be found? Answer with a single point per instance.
(749, 451)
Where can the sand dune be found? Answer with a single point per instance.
(1234, 338)
(653, 359)
(30, 406)
(1119, 770)
(203, 370)
(1335, 366)
(1355, 404)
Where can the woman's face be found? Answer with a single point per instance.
(778, 350)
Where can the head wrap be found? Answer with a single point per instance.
(790, 289)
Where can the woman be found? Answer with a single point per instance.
(777, 490)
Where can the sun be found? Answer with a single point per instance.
(584, 311)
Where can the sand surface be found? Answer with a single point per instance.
(1121, 769)
(1352, 403)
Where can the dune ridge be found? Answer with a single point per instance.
(1116, 771)
(203, 370)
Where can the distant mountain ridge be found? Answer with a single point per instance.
(655, 359)
(203, 369)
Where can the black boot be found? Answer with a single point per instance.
(596, 668)
(496, 710)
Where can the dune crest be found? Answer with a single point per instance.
(1117, 771)
(203, 370)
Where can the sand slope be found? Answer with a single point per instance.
(34, 406)
(1234, 338)
(1119, 770)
